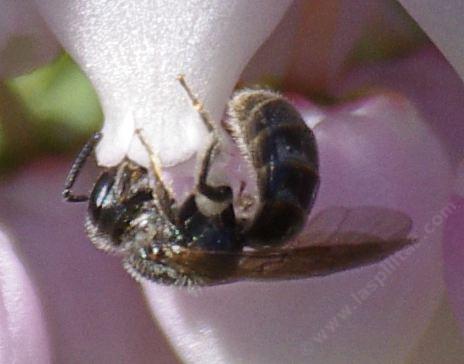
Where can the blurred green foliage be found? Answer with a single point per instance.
(51, 110)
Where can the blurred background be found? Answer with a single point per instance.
(47, 115)
(54, 109)
(50, 111)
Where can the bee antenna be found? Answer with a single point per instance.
(76, 168)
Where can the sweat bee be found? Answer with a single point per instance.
(132, 212)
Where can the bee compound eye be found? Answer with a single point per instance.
(102, 195)
(107, 214)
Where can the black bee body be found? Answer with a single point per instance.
(160, 261)
(133, 213)
(282, 150)
(123, 218)
(213, 233)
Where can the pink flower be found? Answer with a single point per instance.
(389, 149)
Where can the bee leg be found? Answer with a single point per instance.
(242, 188)
(215, 193)
(245, 201)
(76, 168)
(162, 194)
(197, 105)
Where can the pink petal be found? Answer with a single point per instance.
(454, 248)
(317, 42)
(133, 50)
(327, 33)
(94, 310)
(23, 335)
(375, 152)
(428, 80)
(25, 41)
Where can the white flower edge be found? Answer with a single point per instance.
(132, 51)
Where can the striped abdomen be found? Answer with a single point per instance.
(282, 149)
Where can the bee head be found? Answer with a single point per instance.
(116, 200)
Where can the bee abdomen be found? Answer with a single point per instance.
(282, 150)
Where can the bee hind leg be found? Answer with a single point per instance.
(218, 194)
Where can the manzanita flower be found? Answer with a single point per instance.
(378, 150)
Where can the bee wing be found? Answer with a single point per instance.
(313, 261)
(345, 226)
(336, 239)
(287, 262)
